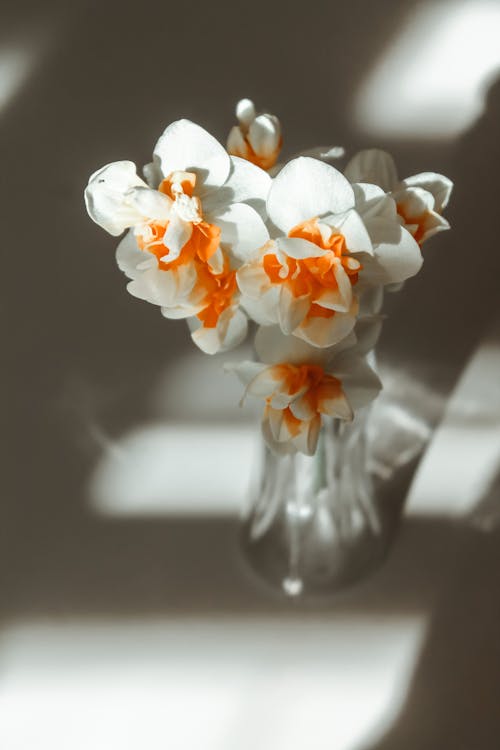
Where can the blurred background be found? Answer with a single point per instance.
(127, 618)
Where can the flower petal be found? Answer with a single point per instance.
(307, 439)
(339, 299)
(187, 147)
(351, 226)
(263, 310)
(252, 280)
(177, 233)
(273, 347)
(437, 184)
(245, 112)
(306, 188)
(359, 382)
(375, 166)
(264, 135)
(245, 371)
(292, 310)
(414, 202)
(116, 198)
(230, 331)
(325, 332)
(334, 403)
(129, 256)
(372, 201)
(397, 255)
(246, 183)
(164, 288)
(242, 230)
(296, 247)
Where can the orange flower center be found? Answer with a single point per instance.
(312, 275)
(420, 221)
(202, 244)
(220, 289)
(186, 181)
(309, 382)
(315, 384)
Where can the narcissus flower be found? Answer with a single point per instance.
(257, 138)
(191, 227)
(305, 279)
(301, 384)
(420, 199)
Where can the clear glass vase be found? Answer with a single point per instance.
(318, 523)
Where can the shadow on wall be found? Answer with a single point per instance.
(458, 675)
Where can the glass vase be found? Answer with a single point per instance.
(318, 523)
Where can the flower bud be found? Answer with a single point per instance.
(257, 138)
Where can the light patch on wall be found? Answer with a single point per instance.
(177, 469)
(432, 82)
(192, 684)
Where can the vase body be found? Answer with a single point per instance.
(318, 523)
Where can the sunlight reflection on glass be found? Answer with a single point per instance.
(432, 81)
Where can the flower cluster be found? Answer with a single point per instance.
(213, 238)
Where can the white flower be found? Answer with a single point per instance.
(257, 138)
(300, 384)
(200, 215)
(305, 279)
(420, 199)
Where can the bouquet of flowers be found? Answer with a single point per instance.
(223, 236)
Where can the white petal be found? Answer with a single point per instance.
(292, 310)
(273, 347)
(275, 421)
(339, 299)
(181, 312)
(263, 310)
(367, 332)
(245, 112)
(216, 261)
(436, 184)
(154, 286)
(252, 280)
(414, 201)
(325, 332)
(178, 232)
(264, 135)
(187, 147)
(236, 328)
(359, 382)
(296, 247)
(129, 256)
(280, 449)
(246, 183)
(236, 143)
(307, 439)
(351, 226)
(242, 230)
(375, 166)
(164, 288)
(230, 331)
(372, 201)
(152, 173)
(301, 408)
(338, 407)
(432, 224)
(107, 197)
(324, 153)
(264, 385)
(306, 188)
(246, 371)
(371, 298)
(396, 257)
